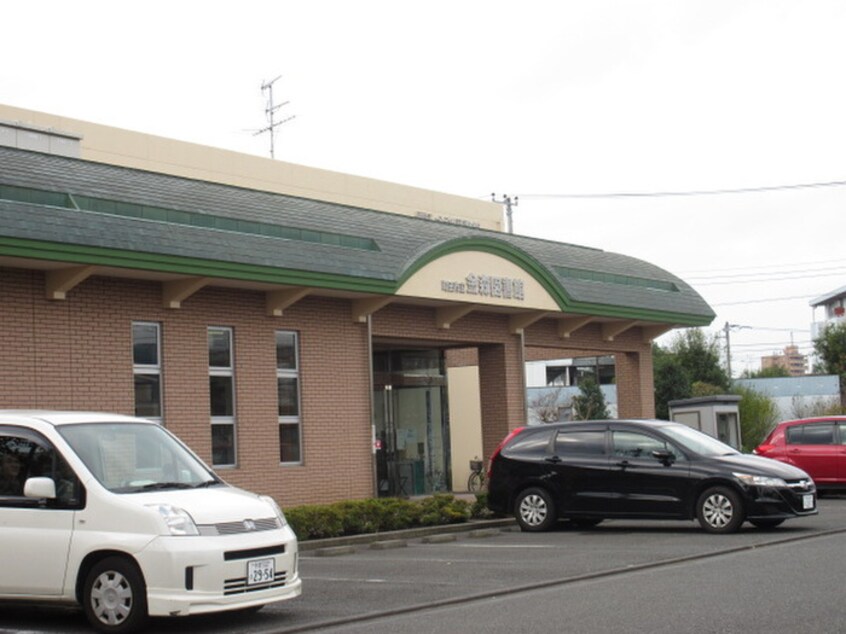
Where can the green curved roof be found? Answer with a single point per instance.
(71, 210)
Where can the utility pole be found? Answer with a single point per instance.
(270, 112)
(506, 200)
(727, 329)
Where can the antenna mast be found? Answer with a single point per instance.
(270, 112)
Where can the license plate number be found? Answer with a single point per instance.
(260, 571)
(807, 501)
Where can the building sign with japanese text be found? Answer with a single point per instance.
(487, 286)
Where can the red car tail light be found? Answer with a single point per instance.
(763, 450)
(499, 447)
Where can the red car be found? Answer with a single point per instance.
(815, 445)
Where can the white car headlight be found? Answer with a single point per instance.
(177, 520)
(275, 506)
(761, 481)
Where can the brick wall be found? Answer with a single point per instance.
(77, 354)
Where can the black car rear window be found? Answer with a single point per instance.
(580, 443)
(531, 441)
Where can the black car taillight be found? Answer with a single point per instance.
(501, 445)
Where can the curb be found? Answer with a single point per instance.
(334, 545)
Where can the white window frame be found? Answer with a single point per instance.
(227, 371)
(288, 373)
(144, 368)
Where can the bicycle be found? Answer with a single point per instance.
(476, 481)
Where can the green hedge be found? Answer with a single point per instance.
(356, 517)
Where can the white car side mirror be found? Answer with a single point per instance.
(40, 488)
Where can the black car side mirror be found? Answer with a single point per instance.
(664, 457)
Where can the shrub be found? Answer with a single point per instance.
(480, 510)
(442, 508)
(315, 522)
(355, 517)
(758, 415)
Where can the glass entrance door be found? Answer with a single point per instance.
(412, 428)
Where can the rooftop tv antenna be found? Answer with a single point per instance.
(270, 112)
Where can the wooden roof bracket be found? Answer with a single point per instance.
(363, 308)
(613, 328)
(569, 325)
(445, 316)
(650, 333)
(60, 282)
(279, 301)
(177, 291)
(518, 323)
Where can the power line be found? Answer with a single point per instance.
(764, 301)
(700, 192)
(762, 266)
(765, 274)
(780, 279)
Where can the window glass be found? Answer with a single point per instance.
(147, 370)
(531, 442)
(289, 442)
(580, 442)
(23, 457)
(135, 457)
(148, 400)
(220, 343)
(145, 344)
(288, 395)
(222, 396)
(286, 350)
(630, 444)
(842, 429)
(223, 444)
(794, 434)
(818, 434)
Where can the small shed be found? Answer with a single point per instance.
(717, 416)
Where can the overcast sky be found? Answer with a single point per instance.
(562, 103)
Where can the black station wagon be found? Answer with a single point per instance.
(590, 471)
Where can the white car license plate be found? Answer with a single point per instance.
(260, 571)
(807, 501)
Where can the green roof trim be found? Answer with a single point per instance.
(103, 256)
(615, 278)
(177, 217)
(548, 281)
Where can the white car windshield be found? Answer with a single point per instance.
(698, 442)
(134, 457)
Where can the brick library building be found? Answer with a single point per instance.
(311, 335)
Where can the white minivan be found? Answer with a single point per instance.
(116, 514)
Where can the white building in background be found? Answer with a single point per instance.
(833, 305)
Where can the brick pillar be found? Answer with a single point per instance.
(635, 385)
(502, 391)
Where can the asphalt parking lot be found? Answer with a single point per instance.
(410, 576)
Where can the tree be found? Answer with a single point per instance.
(545, 406)
(772, 372)
(830, 347)
(691, 359)
(671, 380)
(700, 357)
(758, 415)
(589, 404)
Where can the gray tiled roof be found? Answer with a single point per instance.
(401, 240)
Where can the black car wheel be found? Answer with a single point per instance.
(766, 522)
(720, 510)
(115, 596)
(534, 510)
